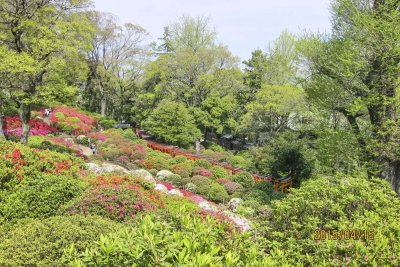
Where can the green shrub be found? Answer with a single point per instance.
(203, 163)
(180, 241)
(34, 242)
(179, 159)
(218, 172)
(217, 193)
(183, 169)
(41, 197)
(244, 178)
(106, 122)
(338, 203)
(175, 180)
(201, 180)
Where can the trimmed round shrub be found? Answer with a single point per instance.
(244, 178)
(197, 170)
(175, 180)
(34, 242)
(201, 180)
(203, 163)
(183, 169)
(41, 197)
(179, 159)
(217, 193)
(218, 172)
(190, 187)
(233, 187)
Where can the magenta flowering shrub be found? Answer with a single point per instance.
(119, 203)
(72, 121)
(13, 127)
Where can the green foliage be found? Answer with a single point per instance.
(337, 203)
(217, 193)
(34, 242)
(185, 242)
(40, 197)
(218, 172)
(202, 163)
(289, 155)
(172, 123)
(244, 178)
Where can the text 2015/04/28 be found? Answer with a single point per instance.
(328, 234)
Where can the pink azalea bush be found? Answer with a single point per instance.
(13, 127)
(72, 121)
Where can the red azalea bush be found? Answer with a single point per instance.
(72, 121)
(13, 127)
(120, 203)
(18, 162)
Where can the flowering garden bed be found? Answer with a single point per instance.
(13, 127)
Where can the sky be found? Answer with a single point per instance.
(242, 25)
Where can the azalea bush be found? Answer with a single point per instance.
(116, 147)
(337, 203)
(18, 162)
(182, 240)
(72, 121)
(58, 144)
(13, 127)
(119, 203)
(41, 242)
(41, 197)
(218, 172)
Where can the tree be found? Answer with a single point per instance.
(172, 123)
(116, 62)
(276, 108)
(288, 155)
(361, 60)
(38, 39)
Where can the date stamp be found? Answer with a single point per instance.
(329, 234)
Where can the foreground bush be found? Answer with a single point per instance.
(40, 198)
(338, 203)
(34, 242)
(183, 240)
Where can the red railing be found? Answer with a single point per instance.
(282, 184)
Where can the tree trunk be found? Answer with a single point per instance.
(391, 172)
(103, 103)
(25, 117)
(1, 119)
